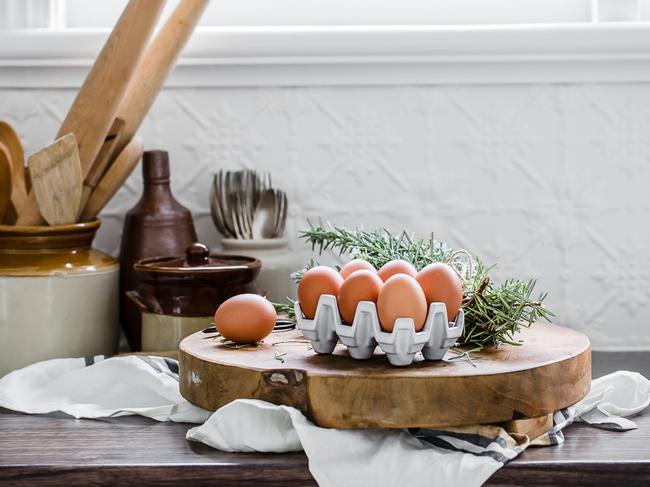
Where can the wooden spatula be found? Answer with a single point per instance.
(117, 173)
(56, 180)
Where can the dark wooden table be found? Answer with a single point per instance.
(57, 450)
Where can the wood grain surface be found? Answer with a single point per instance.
(56, 178)
(551, 370)
(119, 170)
(93, 111)
(5, 183)
(55, 450)
(157, 62)
(102, 162)
(12, 148)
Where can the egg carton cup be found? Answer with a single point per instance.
(321, 331)
(364, 334)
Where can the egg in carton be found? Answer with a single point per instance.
(365, 333)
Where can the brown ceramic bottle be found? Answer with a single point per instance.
(157, 225)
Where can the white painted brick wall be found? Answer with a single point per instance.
(550, 181)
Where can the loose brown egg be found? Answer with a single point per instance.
(396, 267)
(245, 318)
(355, 265)
(441, 284)
(361, 285)
(401, 297)
(316, 281)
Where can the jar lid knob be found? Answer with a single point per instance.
(197, 254)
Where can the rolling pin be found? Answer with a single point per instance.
(157, 62)
(93, 110)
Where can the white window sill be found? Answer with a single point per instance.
(357, 55)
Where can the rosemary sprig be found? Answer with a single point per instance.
(285, 309)
(493, 312)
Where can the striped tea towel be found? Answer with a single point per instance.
(148, 386)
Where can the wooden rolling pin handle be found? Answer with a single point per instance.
(157, 62)
(93, 110)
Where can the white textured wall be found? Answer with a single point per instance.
(550, 181)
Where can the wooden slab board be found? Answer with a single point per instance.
(551, 370)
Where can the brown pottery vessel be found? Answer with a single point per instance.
(157, 225)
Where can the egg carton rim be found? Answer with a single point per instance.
(365, 333)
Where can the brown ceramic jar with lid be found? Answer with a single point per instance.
(178, 295)
(58, 295)
(157, 225)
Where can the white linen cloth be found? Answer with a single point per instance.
(148, 386)
(100, 388)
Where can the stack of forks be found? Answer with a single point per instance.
(245, 205)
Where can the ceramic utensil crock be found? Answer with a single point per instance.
(58, 295)
(179, 295)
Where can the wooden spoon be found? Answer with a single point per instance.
(56, 180)
(11, 143)
(10, 139)
(5, 183)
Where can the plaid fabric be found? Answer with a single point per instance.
(494, 441)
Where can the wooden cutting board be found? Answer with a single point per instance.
(551, 370)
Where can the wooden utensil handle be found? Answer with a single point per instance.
(117, 173)
(28, 213)
(156, 64)
(93, 110)
(102, 162)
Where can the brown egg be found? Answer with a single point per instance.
(441, 284)
(245, 318)
(316, 281)
(355, 265)
(396, 267)
(361, 285)
(401, 297)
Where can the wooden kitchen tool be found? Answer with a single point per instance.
(117, 173)
(10, 141)
(549, 371)
(93, 111)
(102, 162)
(156, 64)
(5, 183)
(56, 179)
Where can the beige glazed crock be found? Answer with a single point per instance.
(58, 296)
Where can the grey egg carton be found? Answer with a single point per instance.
(365, 334)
